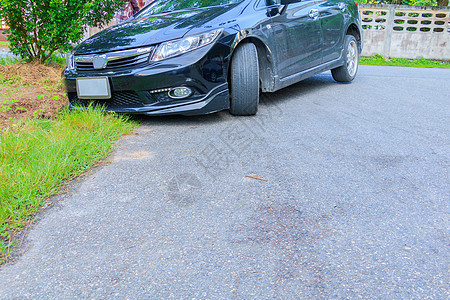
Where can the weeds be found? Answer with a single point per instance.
(379, 60)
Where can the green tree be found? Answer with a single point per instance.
(39, 28)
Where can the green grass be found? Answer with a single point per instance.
(3, 43)
(54, 59)
(39, 156)
(9, 60)
(379, 60)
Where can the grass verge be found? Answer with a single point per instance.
(379, 60)
(38, 156)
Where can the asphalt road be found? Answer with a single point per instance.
(356, 202)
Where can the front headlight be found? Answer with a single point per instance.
(177, 47)
(70, 61)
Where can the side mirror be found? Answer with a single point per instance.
(284, 2)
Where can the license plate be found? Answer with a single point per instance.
(93, 88)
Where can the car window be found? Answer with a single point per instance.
(161, 6)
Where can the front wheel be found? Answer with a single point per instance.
(244, 81)
(347, 72)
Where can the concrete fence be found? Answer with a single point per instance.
(406, 31)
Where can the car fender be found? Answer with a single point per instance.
(265, 56)
(353, 24)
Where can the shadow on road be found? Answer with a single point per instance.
(267, 101)
(303, 88)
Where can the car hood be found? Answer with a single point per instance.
(144, 31)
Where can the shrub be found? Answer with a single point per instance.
(39, 28)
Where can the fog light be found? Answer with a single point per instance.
(180, 92)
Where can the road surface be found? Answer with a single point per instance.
(356, 202)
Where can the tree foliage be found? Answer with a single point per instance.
(39, 28)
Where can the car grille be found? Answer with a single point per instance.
(115, 64)
(158, 97)
(118, 99)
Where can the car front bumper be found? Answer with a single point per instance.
(144, 89)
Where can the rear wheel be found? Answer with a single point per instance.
(244, 81)
(347, 72)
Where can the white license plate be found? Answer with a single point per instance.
(93, 88)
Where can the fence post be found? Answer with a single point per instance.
(389, 29)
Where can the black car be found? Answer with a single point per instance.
(196, 57)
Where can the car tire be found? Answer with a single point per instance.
(244, 94)
(347, 72)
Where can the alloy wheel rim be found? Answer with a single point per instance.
(352, 58)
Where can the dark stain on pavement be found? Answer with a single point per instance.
(289, 230)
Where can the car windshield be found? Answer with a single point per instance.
(161, 6)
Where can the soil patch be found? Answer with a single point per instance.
(30, 90)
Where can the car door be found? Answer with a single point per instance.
(331, 16)
(298, 36)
